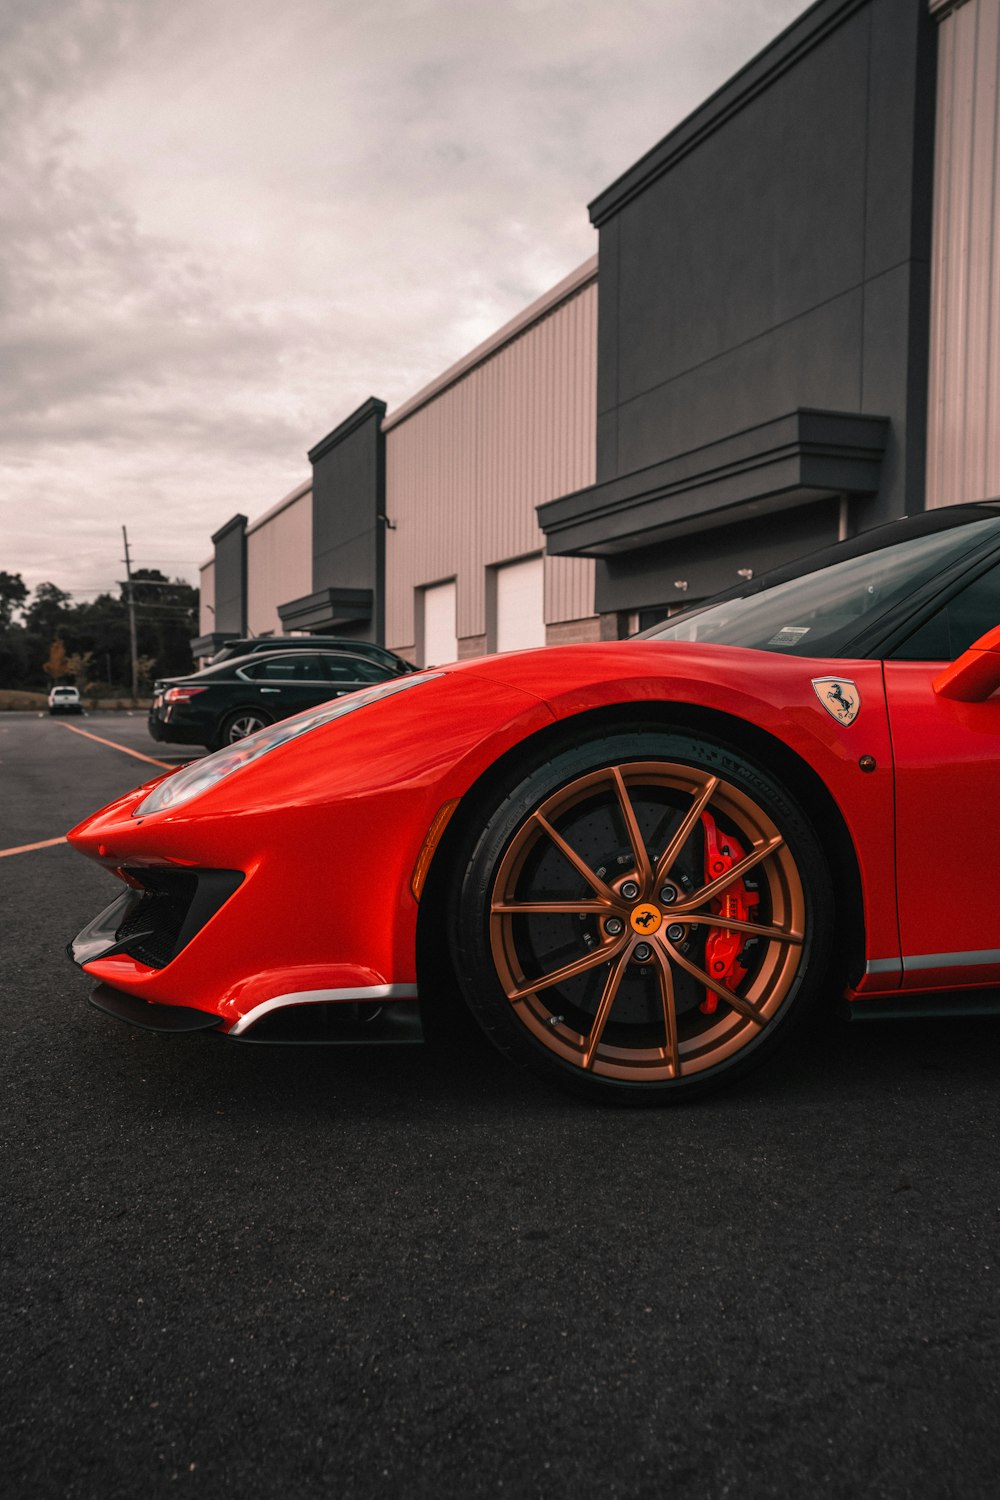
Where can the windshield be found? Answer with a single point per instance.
(816, 612)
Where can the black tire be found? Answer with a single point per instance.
(236, 726)
(595, 837)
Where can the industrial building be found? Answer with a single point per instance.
(790, 334)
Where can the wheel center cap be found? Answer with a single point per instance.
(645, 918)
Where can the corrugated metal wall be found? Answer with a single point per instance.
(279, 561)
(963, 457)
(465, 470)
(206, 598)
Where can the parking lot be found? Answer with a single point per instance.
(247, 1271)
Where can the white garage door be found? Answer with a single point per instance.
(520, 605)
(440, 638)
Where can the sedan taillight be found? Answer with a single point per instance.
(182, 694)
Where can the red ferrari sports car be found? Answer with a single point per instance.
(640, 863)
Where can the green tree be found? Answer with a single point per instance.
(166, 613)
(78, 666)
(13, 593)
(145, 666)
(48, 611)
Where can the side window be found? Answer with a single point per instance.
(952, 630)
(286, 669)
(355, 669)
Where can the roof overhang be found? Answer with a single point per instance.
(207, 645)
(793, 460)
(327, 609)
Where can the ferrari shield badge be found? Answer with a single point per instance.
(839, 696)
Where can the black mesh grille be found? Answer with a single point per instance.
(171, 907)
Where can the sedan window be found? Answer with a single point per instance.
(286, 669)
(355, 669)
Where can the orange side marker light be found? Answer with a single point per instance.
(439, 823)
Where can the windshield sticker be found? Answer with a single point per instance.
(789, 635)
(839, 696)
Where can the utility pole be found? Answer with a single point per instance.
(131, 618)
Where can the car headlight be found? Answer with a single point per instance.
(194, 779)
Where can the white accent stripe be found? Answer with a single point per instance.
(953, 960)
(916, 961)
(321, 997)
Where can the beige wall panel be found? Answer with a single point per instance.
(465, 470)
(964, 392)
(206, 598)
(982, 209)
(279, 563)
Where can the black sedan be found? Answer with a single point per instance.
(224, 703)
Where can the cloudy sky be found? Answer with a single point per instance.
(228, 222)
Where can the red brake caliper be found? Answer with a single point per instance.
(723, 946)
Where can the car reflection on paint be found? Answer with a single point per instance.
(224, 703)
(252, 645)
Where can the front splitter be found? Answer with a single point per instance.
(339, 1024)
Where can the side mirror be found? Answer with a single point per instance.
(974, 675)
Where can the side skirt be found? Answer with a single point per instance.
(915, 1005)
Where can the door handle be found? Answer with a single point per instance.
(270, 690)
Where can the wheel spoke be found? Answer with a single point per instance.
(547, 908)
(611, 985)
(723, 882)
(643, 868)
(580, 865)
(671, 1050)
(601, 955)
(673, 850)
(738, 1004)
(756, 929)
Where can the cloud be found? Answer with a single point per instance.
(228, 224)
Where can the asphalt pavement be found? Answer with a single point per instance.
(256, 1272)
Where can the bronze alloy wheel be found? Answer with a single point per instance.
(649, 920)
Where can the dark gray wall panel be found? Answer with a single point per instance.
(811, 361)
(348, 497)
(764, 221)
(607, 445)
(607, 323)
(230, 543)
(900, 135)
(344, 504)
(644, 579)
(886, 330)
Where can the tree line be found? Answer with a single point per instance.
(47, 637)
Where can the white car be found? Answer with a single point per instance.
(65, 700)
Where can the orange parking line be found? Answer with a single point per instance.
(27, 848)
(123, 748)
